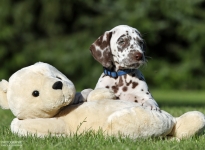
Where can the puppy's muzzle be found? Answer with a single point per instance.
(135, 56)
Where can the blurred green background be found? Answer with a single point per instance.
(60, 32)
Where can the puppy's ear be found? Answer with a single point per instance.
(101, 50)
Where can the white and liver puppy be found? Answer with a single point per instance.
(121, 53)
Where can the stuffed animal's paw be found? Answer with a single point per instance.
(189, 124)
(101, 93)
(82, 96)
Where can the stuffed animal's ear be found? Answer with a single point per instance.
(101, 50)
(3, 97)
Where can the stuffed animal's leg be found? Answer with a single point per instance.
(140, 122)
(40, 127)
(189, 124)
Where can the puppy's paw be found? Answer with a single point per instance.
(151, 104)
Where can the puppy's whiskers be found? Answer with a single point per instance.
(148, 57)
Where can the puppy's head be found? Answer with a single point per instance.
(120, 48)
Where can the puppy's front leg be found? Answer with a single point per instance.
(145, 101)
(39, 127)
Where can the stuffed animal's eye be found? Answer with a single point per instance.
(35, 93)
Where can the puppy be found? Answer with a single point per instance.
(121, 53)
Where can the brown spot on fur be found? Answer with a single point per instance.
(100, 50)
(124, 88)
(107, 87)
(125, 76)
(147, 93)
(115, 89)
(107, 58)
(128, 83)
(142, 90)
(136, 101)
(120, 81)
(134, 84)
(119, 49)
(104, 43)
(98, 54)
(93, 48)
(125, 45)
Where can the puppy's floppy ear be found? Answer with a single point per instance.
(101, 50)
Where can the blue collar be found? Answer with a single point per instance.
(118, 73)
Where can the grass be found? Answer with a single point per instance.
(176, 103)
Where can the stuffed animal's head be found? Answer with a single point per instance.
(36, 91)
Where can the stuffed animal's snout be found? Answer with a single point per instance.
(57, 85)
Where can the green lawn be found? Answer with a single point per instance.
(176, 103)
(179, 102)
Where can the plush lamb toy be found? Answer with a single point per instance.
(40, 97)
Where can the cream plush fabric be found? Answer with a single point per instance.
(44, 102)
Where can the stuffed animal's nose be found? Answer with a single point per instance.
(138, 56)
(57, 85)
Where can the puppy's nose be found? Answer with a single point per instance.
(57, 85)
(138, 56)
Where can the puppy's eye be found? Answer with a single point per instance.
(35, 93)
(121, 41)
